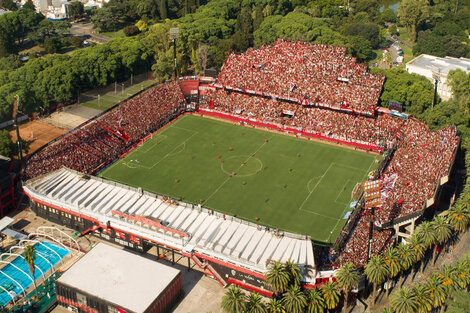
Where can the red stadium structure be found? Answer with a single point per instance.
(310, 90)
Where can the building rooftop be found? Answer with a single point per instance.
(130, 281)
(443, 64)
(186, 227)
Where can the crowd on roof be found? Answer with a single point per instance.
(105, 138)
(318, 73)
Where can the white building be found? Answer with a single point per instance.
(428, 65)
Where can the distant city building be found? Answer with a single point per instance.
(111, 280)
(433, 67)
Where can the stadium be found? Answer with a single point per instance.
(259, 165)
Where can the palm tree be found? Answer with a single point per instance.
(277, 278)
(392, 260)
(406, 257)
(442, 231)
(437, 291)
(255, 304)
(425, 231)
(347, 278)
(404, 301)
(387, 310)
(315, 301)
(331, 295)
(294, 300)
(294, 271)
(233, 301)
(417, 245)
(423, 298)
(275, 306)
(448, 276)
(459, 217)
(29, 254)
(377, 272)
(462, 273)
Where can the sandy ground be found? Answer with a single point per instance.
(37, 134)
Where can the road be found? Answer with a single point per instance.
(86, 29)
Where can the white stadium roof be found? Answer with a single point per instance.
(188, 228)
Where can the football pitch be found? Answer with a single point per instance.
(276, 180)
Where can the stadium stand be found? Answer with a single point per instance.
(102, 139)
(319, 74)
(304, 88)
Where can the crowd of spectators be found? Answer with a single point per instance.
(321, 74)
(105, 138)
(420, 159)
(325, 122)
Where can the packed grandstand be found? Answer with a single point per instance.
(311, 88)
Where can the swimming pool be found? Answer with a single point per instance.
(15, 276)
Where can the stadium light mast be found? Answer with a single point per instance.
(436, 75)
(372, 199)
(174, 34)
(15, 118)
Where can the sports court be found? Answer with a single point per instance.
(275, 180)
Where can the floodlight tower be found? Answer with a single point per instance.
(372, 199)
(174, 34)
(18, 138)
(436, 75)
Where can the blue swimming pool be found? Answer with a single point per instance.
(15, 276)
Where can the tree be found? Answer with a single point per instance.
(411, 13)
(388, 15)
(377, 272)
(360, 47)
(29, 254)
(7, 147)
(294, 300)
(233, 301)
(331, 295)
(442, 232)
(460, 302)
(75, 10)
(277, 278)
(9, 5)
(392, 30)
(404, 301)
(294, 271)
(459, 217)
(436, 289)
(275, 306)
(255, 304)
(52, 45)
(130, 30)
(427, 235)
(388, 59)
(418, 249)
(347, 278)
(406, 258)
(368, 31)
(77, 42)
(315, 301)
(423, 298)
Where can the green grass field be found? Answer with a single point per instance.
(109, 99)
(289, 183)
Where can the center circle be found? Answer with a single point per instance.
(241, 165)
